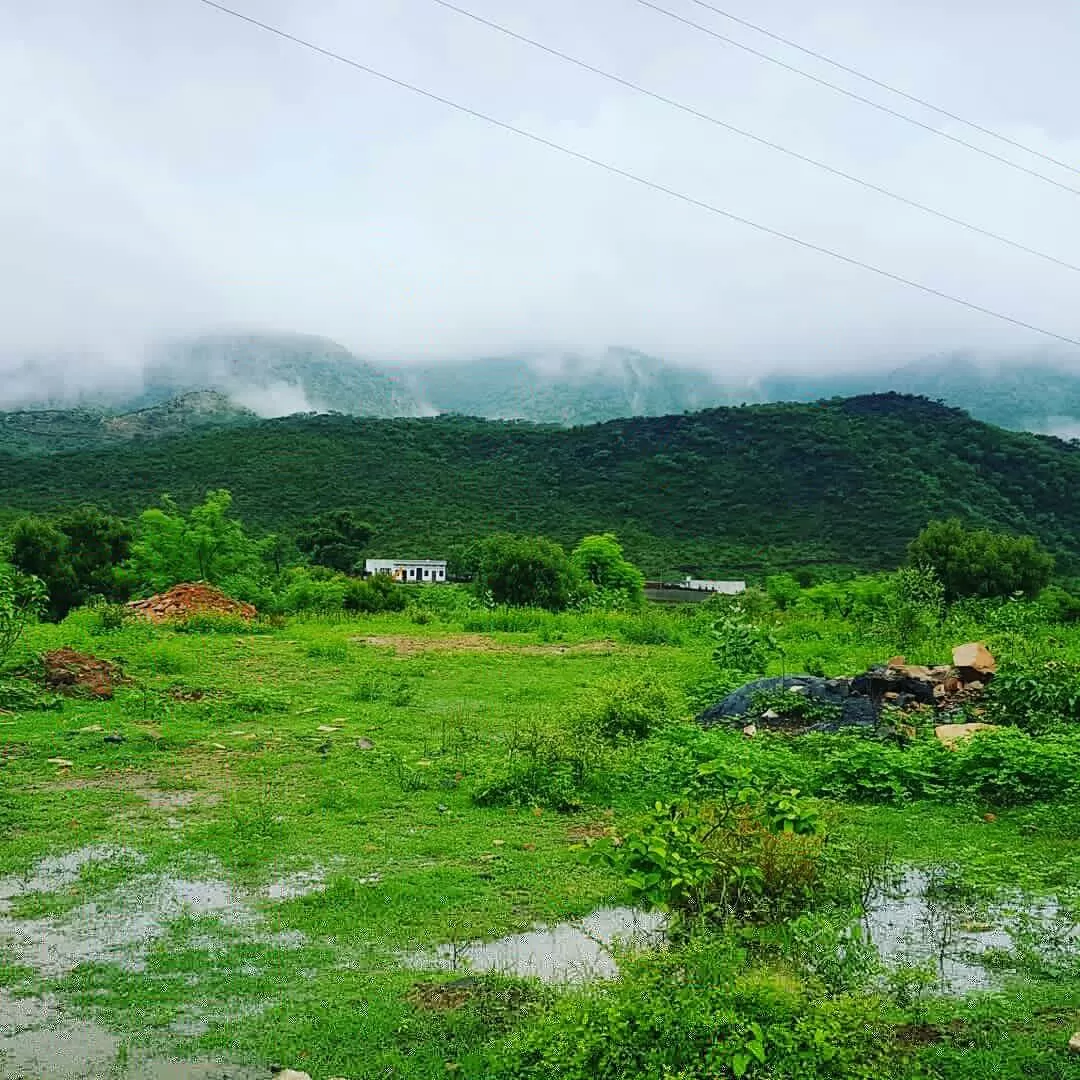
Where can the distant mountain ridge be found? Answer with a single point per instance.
(284, 374)
(717, 493)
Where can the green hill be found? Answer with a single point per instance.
(55, 431)
(724, 491)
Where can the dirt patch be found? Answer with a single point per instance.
(916, 1035)
(595, 830)
(441, 997)
(183, 601)
(78, 674)
(142, 785)
(409, 645)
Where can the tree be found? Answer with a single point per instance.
(526, 571)
(77, 555)
(336, 540)
(978, 562)
(22, 599)
(599, 560)
(205, 545)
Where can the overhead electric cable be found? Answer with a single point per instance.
(640, 180)
(883, 85)
(743, 133)
(854, 96)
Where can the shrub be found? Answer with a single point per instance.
(312, 590)
(629, 708)
(22, 599)
(978, 562)
(699, 1013)
(527, 571)
(546, 769)
(1009, 768)
(1038, 698)
(746, 855)
(374, 594)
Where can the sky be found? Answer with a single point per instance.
(166, 169)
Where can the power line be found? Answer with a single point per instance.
(856, 97)
(690, 110)
(883, 85)
(640, 180)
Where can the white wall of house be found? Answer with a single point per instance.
(728, 587)
(410, 570)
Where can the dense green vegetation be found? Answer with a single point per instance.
(725, 493)
(365, 790)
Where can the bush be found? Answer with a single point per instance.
(629, 708)
(527, 571)
(1009, 768)
(700, 1013)
(1037, 699)
(978, 562)
(22, 599)
(375, 594)
(746, 855)
(548, 769)
(599, 561)
(306, 589)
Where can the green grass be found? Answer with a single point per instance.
(307, 750)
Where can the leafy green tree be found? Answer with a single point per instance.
(783, 590)
(599, 561)
(336, 540)
(208, 544)
(77, 555)
(526, 571)
(978, 562)
(22, 599)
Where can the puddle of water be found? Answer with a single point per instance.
(57, 872)
(122, 925)
(566, 952)
(39, 1042)
(907, 923)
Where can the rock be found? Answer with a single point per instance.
(326, 729)
(92, 729)
(115, 738)
(897, 662)
(950, 734)
(771, 714)
(750, 730)
(991, 818)
(1074, 1043)
(854, 711)
(974, 662)
(61, 762)
(291, 1074)
(364, 744)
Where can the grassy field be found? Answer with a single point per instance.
(234, 858)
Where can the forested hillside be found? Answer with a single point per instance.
(723, 491)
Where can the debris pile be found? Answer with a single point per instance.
(889, 694)
(79, 674)
(183, 601)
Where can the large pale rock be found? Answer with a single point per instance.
(974, 660)
(950, 734)
(1074, 1043)
(291, 1074)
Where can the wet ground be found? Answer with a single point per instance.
(51, 923)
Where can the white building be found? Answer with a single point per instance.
(730, 588)
(418, 570)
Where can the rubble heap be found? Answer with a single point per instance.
(79, 674)
(893, 691)
(183, 601)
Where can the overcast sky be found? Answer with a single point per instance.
(165, 168)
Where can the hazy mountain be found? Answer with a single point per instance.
(274, 375)
(54, 431)
(1040, 394)
(564, 390)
